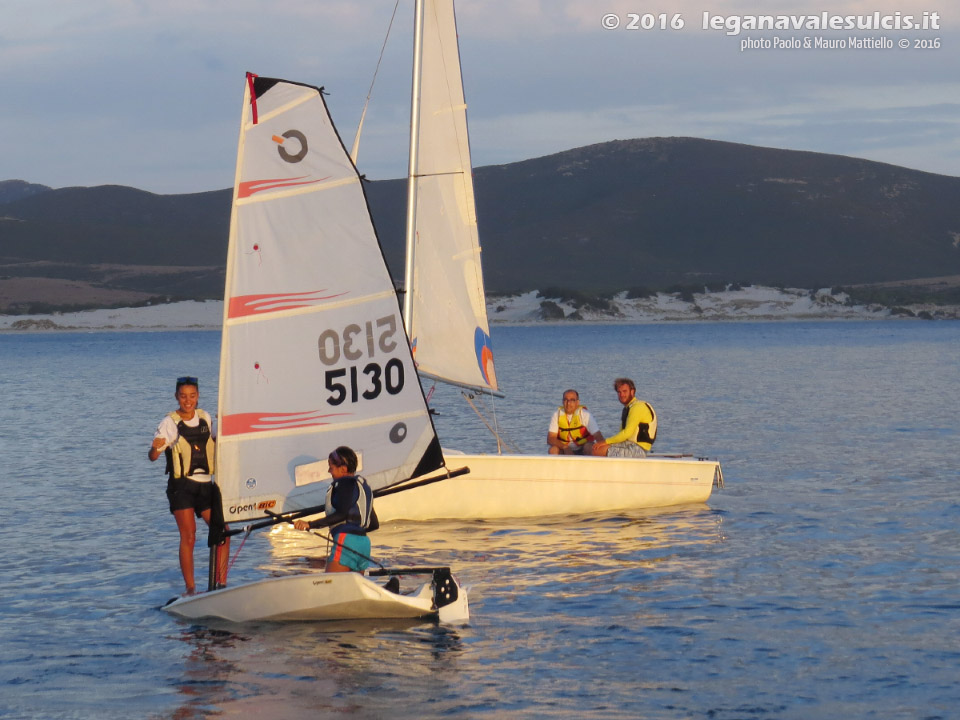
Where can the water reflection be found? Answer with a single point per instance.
(588, 543)
(336, 668)
(207, 676)
(539, 590)
(820, 583)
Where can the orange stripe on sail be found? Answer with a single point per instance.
(246, 189)
(252, 422)
(245, 305)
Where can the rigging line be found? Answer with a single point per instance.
(496, 431)
(496, 424)
(230, 566)
(356, 141)
(500, 440)
(440, 174)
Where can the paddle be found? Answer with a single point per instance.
(277, 518)
(420, 483)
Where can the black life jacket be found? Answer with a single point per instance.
(359, 513)
(194, 449)
(646, 432)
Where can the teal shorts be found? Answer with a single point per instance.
(352, 551)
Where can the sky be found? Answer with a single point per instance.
(148, 94)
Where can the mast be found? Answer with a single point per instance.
(413, 164)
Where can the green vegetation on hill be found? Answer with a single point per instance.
(676, 214)
(113, 224)
(904, 295)
(669, 211)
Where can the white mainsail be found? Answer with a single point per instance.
(448, 328)
(314, 353)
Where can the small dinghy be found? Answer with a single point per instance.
(313, 356)
(330, 596)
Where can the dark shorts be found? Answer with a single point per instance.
(186, 494)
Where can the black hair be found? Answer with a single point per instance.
(344, 457)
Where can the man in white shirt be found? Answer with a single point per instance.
(572, 430)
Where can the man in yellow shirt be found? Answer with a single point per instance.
(638, 425)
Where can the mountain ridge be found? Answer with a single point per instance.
(647, 213)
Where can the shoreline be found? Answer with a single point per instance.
(751, 304)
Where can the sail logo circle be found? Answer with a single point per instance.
(398, 433)
(288, 156)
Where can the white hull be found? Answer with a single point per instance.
(514, 486)
(316, 596)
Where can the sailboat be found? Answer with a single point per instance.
(445, 315)
(313, 356)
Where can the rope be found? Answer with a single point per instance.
(500, 440)
(496, 424)
(230, 566)
(356, 142)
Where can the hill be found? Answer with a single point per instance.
(678, 210)
(12, 190)
(652, 213)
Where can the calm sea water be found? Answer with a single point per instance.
(821, 583)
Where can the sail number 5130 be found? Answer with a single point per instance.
(389, 378)
(352, 344)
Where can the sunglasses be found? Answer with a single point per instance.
(187, 380)
(335, 458)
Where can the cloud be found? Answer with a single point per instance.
(148, 93)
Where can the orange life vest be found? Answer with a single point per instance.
(574, 429)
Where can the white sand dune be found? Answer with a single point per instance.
(191, 315)
(750, 304)
(753, 303)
